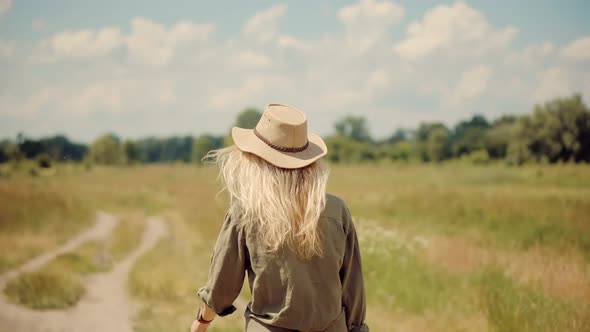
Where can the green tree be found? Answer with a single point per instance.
(3, 156)
(479, 157)
(204, 144)
(56, 148)
(346, 150)
(168, 149)
(438, 144)
(559, 130)
(14, 153)
(469, 136)
(106, 150)
(353, 127)
(423, 140)
(398, 151)
(398, 136)
(499, 136)
(248, 118)
(130, 152)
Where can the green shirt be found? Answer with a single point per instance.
(290, 294)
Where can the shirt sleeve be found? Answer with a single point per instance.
(351, 276)
(226, 270)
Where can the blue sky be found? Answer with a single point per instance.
(141, 68)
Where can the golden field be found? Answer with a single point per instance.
(445, 247)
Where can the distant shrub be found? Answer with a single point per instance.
(43, 160)
(479, 157)
(33, 172)
(88, 164)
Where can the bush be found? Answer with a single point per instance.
(44, 290)
(479, 157)
(43, 160)
(33, 172)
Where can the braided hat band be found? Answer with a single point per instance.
(278, 147)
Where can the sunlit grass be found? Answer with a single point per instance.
(445, 247)
(513, 308)
(529, 211)
(126, 236)
(59, 283)
(167, 278)
(45, 290)
(37, 214)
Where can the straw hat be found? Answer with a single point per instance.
(281, 138)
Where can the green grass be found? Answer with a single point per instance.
(45, 290)
(470, 201)
(167, 278)
(513, 308)
(37, 214)
(67, 270)
(501, 212)
(91, 257)
(397, 279)
(40, 213)
(35, 290)
(126, 236)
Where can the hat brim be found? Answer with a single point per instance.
(247, 141)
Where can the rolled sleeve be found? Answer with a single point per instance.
(351, 276)
(362, 328)
(226, 270)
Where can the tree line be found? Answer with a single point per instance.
(557, 131)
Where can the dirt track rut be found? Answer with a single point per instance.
(104, 307)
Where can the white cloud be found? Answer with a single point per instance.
(109, 95)
(553, 82)
(264, 26)
(289, 42)
(149, 42)
(250, 59)
(579, 49)
(120, 95)
(367, 11)
(198, 74)
(81, 44)
(5, 6)
(457, 28)
(531, 54)
(337, 100)
(248, 92)
(27, 107)
(153, 44)
(368, 22)
(7, 48)
(378, 80)
(471, 85)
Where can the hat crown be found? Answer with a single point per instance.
(283, 126)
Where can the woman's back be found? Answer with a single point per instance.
(303, 295)
(289, 293)
(297, 244)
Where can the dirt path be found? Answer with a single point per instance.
(102, 229)
(105, 305)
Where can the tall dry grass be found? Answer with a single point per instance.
(445, 247)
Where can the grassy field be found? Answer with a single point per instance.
(59, 284)
(445, 247)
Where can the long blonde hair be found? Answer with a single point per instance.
(282, 206)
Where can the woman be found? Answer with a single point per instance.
(297, 244)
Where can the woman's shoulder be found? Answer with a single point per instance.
(335, 208)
